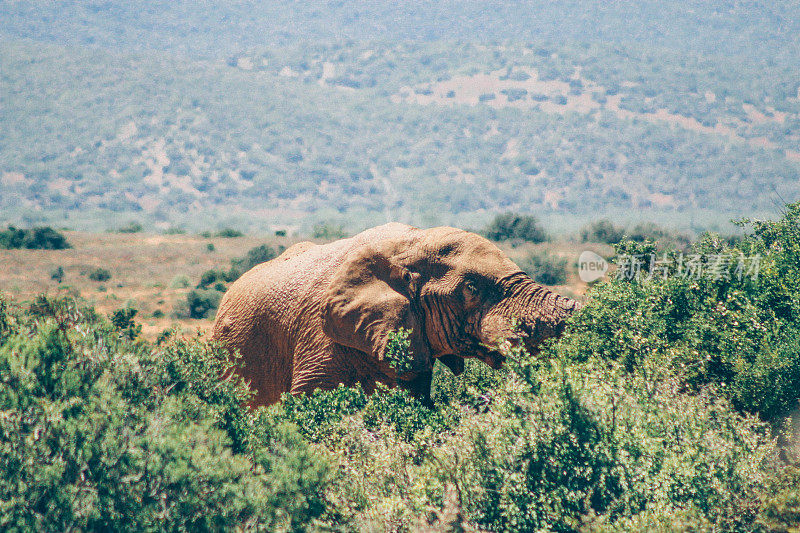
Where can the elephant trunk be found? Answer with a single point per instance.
(542, 313)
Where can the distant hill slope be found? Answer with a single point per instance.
(361, 132)
(758, 30)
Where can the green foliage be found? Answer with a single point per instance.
(585, 164)
(545, 268)
(602, 231)
(508, 226)
(200, 303)
(737, 331)
(132, 227)
(565, 447)
(40, 238)
(471, 389)
(328, 232)
(213, 276)
(100, 274)
(229, 233)
(780, 510)
(320, 415)
(255, 256)
(101, 433)
(122, 319)
(398, 353)
(57, 274)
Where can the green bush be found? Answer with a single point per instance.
(739, 333)
(648, 231)
(132, 227)
(545, 268)
(40, 238)
(199, 304)
(255, 256)
(100, 432)
(229, 233)
(513, 226)
(100, 274)
(602, 231)
(328, 232)
(57, 274)
(213, 276)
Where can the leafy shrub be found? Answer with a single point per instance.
(397, 351)
(100, 274)
(320, 415)
(602, 231)
(102, 433)
(647, 231)
(40, 238)
(566, 447)
(57, 274)
(328, 232)
(199, 304)
(229, 233)
(122, 319)
(515, 94)
(739, 333)
(545, 268)
(557, 446)
(211, 277)
(255, 256)
(513, 226)
(132, 227)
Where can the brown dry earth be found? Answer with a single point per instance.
(149, 272)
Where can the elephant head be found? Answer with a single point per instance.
(458, 293)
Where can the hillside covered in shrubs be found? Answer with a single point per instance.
(662, 408)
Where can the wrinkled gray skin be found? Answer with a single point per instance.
(319, 315)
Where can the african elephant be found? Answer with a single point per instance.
(319, 315)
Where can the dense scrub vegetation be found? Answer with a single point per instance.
(101, 431)
(513, 226)
(661, 407)
(741, 30)
(40, 238)
(305, 116)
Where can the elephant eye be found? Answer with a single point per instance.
(471, 288)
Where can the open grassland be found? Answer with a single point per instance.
(149, 272)
(154, 273)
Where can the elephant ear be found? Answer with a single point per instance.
(371, 295)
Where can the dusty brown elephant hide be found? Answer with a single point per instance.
(319, 315)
